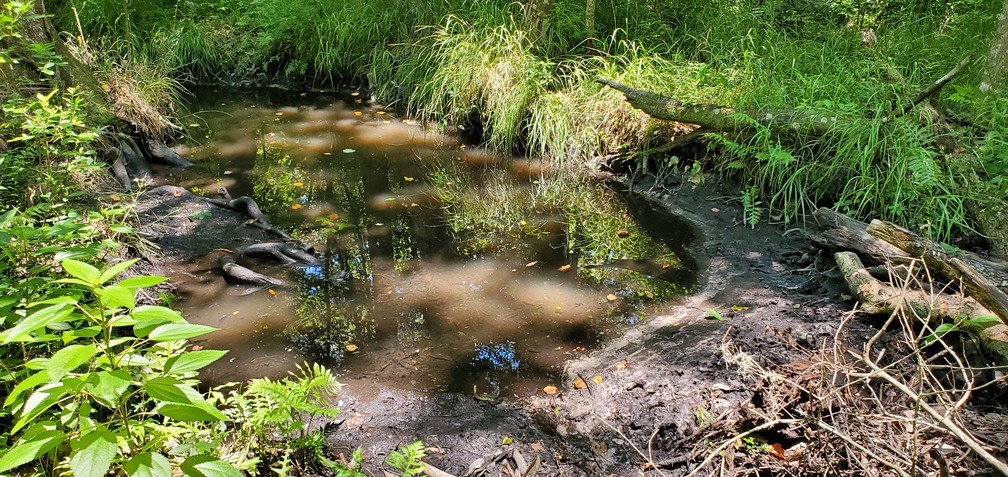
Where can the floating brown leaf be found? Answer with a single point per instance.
(351, 348)
(579, 384)
(564, 268)
(612, 297)
(531, 264)
(550, 390)
(623, 233)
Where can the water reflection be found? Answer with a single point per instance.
(452, 266)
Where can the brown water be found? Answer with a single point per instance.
(445, 267)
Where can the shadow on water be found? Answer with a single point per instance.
(443, 267)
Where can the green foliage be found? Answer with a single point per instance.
(273, 417)
(86, 366)
(49, 152)
(406, 459)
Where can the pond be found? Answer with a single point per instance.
(444, 267)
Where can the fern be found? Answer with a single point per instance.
(406, 460)
(752, 208)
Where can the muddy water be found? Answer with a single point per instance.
(444, 267)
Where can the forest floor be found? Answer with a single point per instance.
(642, 400)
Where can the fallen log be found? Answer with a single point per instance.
(724, 118)
(956, 267)
(241, 274)
(836, 232)
(159, 152)
(281, 251)
(878, 298)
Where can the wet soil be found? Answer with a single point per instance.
(764, 288)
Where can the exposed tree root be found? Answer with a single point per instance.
(241, 274)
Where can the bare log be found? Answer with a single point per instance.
(835, 231)
(723, 118)
(952, 267)
(244, 275)
(878, 298)
(244, 204)
(158, 151)
(282, 251)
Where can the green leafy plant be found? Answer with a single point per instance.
(273, 417)
(95, 382)
(406, 459)
(970, 326)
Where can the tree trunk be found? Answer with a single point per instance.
(590, 18)
(997, 60)
(536, 17)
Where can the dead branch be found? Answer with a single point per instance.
(243, 204)
(281, 251)
(935, 87)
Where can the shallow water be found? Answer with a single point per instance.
(445, 267)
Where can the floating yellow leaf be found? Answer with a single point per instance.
(351, 348)
(228, 172)
(551, 390)
(379, 112)
(355, 93)
(597, 379)
(358, 113)
(408, 179)
(612, 297)
(298, 184)
(557, 308)
(507, 441)
(271, 292)
(235, 312)
(579, 384)
(115, 198)
(386, 121)
(564, 268)
(648, 294)
(295, 206)
(358, 100)
(279, 113)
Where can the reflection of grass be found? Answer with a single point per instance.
(495, 211)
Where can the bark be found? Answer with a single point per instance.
(159, 152)
(972, 271)
(281, 251)
(238, 273)
(536, 17)
(996, 74)
(878, 298)
(834, 231)
(723, 118)
(244, 204)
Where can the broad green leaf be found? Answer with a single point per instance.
(207, 466)
(172, 390)
(73, 334)
(179, 331)
(69, 359)
(30, 449)
(92, 454)
(115, 296)
(6, 217)
(114, 270)
(192, 360)
(39, 319)
(36, 379)
(109, 386)
(42, 399)
(187, 413)
(150, 317)
(141, 282)
(982, 321)
(148, 464)
(82, 271)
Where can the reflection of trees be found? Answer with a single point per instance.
(494, 212)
